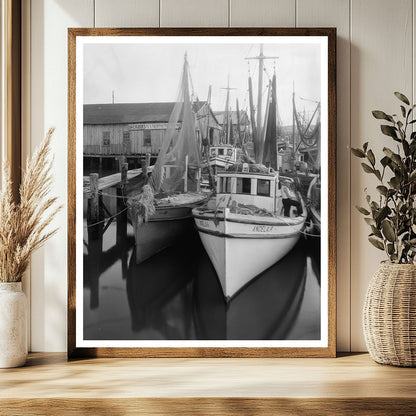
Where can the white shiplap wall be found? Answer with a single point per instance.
(375, 58)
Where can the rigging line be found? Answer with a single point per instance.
(105, 219)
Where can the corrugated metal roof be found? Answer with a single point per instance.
(122, 113)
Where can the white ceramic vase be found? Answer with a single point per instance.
(13, 325)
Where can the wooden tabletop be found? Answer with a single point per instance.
(49, 384)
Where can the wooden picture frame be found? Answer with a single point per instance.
(79, 347)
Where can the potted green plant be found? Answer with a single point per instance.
(23, 228)
(389, 317)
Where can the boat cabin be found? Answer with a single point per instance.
(260, 189)
(225, 152)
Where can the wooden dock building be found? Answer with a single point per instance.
(133, 130)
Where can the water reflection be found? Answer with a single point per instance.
(176, 295)
(265, 309)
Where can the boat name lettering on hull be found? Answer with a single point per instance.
(204, 223)
(262, 228)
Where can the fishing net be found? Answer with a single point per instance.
(176, 168)
(142, 205)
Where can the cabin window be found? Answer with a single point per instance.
(147, 138)
(226, 185)
(212, 152)
(263, 187)
(243, 185)
(221, 152)
(106, 138)
(230, 152)
(126, 135)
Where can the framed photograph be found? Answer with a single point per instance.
(202, 183)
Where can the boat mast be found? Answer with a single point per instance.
(238, 122)
(261, 57)
(208, 143)
(252, 113)
(226, 119)
(273, 129)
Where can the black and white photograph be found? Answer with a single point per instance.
(202, 191)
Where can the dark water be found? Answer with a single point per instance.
(176, 295)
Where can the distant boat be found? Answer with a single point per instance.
(223, 156)
(243, 228)
(161, 210)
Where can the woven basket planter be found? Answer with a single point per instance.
(389, 317)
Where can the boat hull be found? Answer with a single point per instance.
(165, 227)
(241, 248)
(162, 230)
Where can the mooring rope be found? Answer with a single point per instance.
(105, 219)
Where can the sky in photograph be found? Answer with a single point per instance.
(151, 73)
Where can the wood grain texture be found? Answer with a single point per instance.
(262, 13)
(330, 351)
(347, 385)
(335, 13)
(193, 13)
(211, 406)
(381, 63)
(127, 13)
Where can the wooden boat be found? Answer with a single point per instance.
(223, 156)
(161, 210)
(314, 205)
(243, 229)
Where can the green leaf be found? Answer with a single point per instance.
(394, 182)
(376, 231)
(369, 221)
(381, 115)
(388, 230)
(389, 131)
(376, 243)
(382, 214)
(382, 189)
(403, 111)
(365, 145)
(393, 156)
(402, 97)
(357, 152)
(390, 248)
(378, 174)
(370, 157)
(406, 147)
(367, 168)
(412, 176)
(362, 210)
(385, 161)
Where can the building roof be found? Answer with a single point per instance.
(125, 113)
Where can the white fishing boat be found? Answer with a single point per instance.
(251, 224)
(161, 210)
(243, 229)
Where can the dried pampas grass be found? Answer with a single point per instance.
(24, 224)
